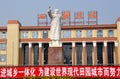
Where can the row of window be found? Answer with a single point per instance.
(34, 34)
(67, 34)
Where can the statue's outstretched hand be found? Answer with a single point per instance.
(49, 9)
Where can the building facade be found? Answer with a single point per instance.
(82, 44)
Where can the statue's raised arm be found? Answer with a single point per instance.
(50, 13)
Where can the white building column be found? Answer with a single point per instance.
(40, 54)
(105, 54)
(116, 53)
(20, 55)
(84, 55)
(94, 53)
(73, 54)
(30, 54)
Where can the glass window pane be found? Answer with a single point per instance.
(25, 54)
(110, 50)
(36, 54)
(67, 34)
(89, 50)
(45, 34)
(100, 53)
(99, 33)
(67, 49)
(34, 34)
(45, 47)
(2, 58)
(110, 33)
(89, 33)
(2, 46)
(3, 34)
(79, 53)
(24, 34)
(78, 33)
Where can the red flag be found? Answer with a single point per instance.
(78, 15)
(66, 15)
(42, 16)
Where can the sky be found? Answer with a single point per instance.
(26, 11)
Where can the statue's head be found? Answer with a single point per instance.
(56, 11)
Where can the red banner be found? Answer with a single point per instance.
(61, 71)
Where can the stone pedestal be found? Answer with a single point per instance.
(55, 56)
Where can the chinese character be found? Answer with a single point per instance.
(87, 70)
(118, 69)
(40, 71)
(64, 71)
(112, 72)
(32, 71)
(106, 71)
(94, 71)
(82, 72)
(58, 71)
(9, 72)
(76, 71)
(3, 72)
(100, 71)
(52, 71)
(70, 71)
(46, 71)
(26, 71)
(15, 72)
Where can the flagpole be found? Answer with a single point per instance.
(74, 19)
(96, 17)
(46, 19)
(69, 18)
(83, 18)
(38, 19)
(88, 17)
(62, 19)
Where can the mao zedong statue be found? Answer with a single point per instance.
(55, 30)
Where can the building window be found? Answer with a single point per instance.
(110, 33)
(34, 34)
(89, 33)
(24, 34)
(79, 53)
(67, 34)
(89, 51)
(3, 46)
(99, 33)
(67, 49)
(100, 53)
(110, 51)
(36, 54)
(3, 34)
(2, 58)
(78, 33)
(45, 34)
